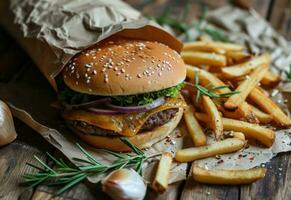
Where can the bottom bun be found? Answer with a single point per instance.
(141, 140)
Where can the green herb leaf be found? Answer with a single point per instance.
(146, 98)
(211, 91)
(288, 73)
(66, 176)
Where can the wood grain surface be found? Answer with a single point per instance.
(13, 157)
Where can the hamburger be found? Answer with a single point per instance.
(123, 87)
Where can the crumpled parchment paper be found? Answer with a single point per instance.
(53, 31)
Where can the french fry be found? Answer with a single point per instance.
(264, 135)
(203, 46)
(217, 47)
(237, 57)
(215, 118)
(236, 114)
(197, 135)
(267, 105)
(221, 147)
(270, 79)
(245, 88)
(160, 183)
(204, 38)
(203, 58)
(239, 135)
(243, 111)
(227, 177)
(262, 117)
(246, 67)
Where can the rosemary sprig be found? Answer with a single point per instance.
(209, 90)
(67, 176)
(180, 24)
(288, 73)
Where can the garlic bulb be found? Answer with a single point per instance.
(7, 130)
(124, 184)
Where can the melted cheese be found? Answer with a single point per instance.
(123, 124)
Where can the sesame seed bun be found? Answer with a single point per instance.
(141, 140)
(120, 66)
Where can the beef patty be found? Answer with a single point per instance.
(156, 120)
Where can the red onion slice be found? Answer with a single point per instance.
(88, 104)
(103, 111)
(131, 109)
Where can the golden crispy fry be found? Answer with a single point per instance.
(262, 117)
(203, 58)
(236, 114)
(270, 107)
(246, 67)
(243, 111)
(203, 46)
(239, 135)
(194, 128)
(234, 57)
(245, 88)
(160, 183)
(270, 79)
(217, 47)
(227, 177)
(264, 135)
(215, 118)
(221, 147)
(204, 38)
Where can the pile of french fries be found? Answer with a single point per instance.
(244, 113)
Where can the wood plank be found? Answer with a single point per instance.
(281, 17)
(12, 163)
(155, 8)
(13, 159)
(172, 192)
(193, 190)
(276, 184)
(261, 6)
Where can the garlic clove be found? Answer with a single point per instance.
(124, 184)
(7, 130)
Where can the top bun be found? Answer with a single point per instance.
(121, 66)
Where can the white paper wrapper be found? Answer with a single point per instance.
(53, 31)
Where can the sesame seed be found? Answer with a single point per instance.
(118, 74)
(127, 75)
(86, 54)
(94, 72)
(122, 70)
(106, 80)
(115, 69)
(77, 83)
(139, 76)
(88, 81)
(86, 75)
(160, 74)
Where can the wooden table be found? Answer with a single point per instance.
(13, 157)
